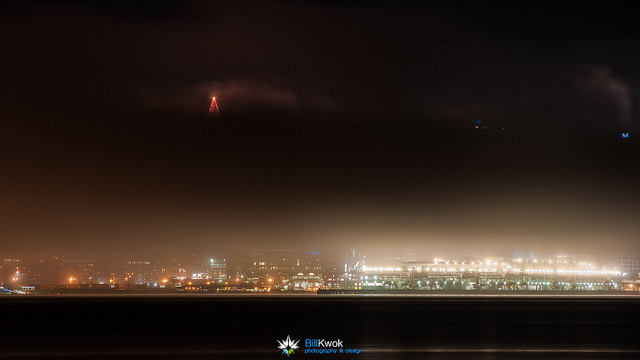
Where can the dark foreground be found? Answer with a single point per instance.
(383, 327)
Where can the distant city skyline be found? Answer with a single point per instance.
(311, 270)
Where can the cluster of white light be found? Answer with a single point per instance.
(565, 271)
(503, 269)
(440, 260)
(545, 271)
(380, 269)
(591, 284)
(463, 270)
(488, 265)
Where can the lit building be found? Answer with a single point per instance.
(347, 274)
(219, 270)
(628, 262)
(283, 262)
(80, 268)
(302, 282)
(561, 273)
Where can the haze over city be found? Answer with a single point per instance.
(341, 124)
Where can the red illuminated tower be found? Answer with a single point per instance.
(214, 112)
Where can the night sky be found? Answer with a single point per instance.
(342, 122)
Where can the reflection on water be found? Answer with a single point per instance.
(385, 327)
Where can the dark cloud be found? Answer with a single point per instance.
(599, 83)
(237, 95)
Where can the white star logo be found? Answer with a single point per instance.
(287, 346)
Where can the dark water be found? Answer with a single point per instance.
(384, 327)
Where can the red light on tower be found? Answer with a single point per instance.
(214, 112)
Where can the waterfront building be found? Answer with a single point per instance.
(628, 262)
(219, 270)
(492, 274)
(304, 282)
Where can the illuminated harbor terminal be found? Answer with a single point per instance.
(561, 273)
